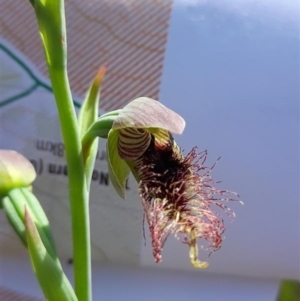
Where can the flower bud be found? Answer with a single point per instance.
(15, 171)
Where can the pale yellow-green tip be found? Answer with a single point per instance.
(15, 171)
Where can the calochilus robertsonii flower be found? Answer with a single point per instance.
(177, 191)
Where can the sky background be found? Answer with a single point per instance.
(232, 71)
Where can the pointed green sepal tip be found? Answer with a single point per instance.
(15, 171)
(87, 116)
(90, 106)
(54, 283)
(100, 76)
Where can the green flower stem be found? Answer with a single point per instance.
(52, 26)
(14, 218)
(78, 190)
(100, 128)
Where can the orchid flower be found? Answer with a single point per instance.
(176, 191)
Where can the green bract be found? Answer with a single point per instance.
(15, 171)
(53, 281)
(131, 133)
(87, 116)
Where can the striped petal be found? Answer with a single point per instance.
(117, 168)
(145, 112)
(132, 143)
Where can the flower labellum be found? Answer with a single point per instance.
(177, 194)
(177, 191)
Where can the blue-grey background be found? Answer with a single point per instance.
(232, 71)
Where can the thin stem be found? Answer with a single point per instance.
(78, 191)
